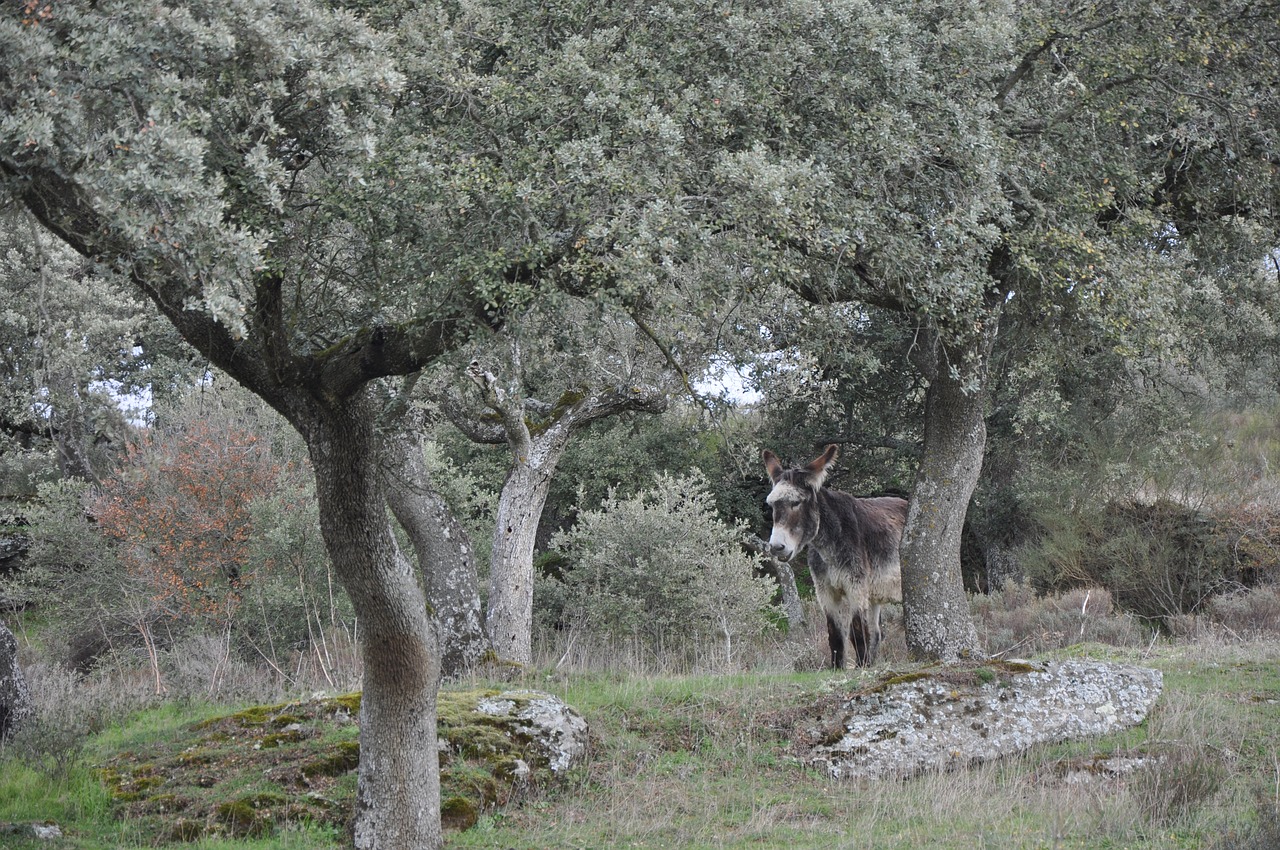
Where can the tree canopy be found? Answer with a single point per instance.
(321, 198)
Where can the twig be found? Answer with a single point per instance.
(1010, 649)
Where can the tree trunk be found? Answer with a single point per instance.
(936, 608)
(791, 605)
(524, 494)
(16, 706)
(536, 451)
(445, 557)
(398, 793)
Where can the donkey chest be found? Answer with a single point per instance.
(838, 576)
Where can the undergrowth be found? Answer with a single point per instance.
(688, 757)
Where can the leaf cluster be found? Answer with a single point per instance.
(658, 566)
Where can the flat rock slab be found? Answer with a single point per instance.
(948, 717)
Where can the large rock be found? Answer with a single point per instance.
(555, 728)
(947, 717)
(15, 699)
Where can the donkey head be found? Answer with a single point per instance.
(794, 500)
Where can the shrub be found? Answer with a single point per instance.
(660, 566)
(1181, 780)
(1157, 560)
(68, 709)
(203, 550)
(1017, 618)
(180, 512)
(1249, 613)
(1262, 835)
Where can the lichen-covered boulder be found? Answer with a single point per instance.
(15, 698)
(558, 731)
(48, 831)
(948, 717)
(494, 744)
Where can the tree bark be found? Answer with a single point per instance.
(524, 495)
(398, 793)
(16, 706)
(445, 557)
(792, 607)
(536, 450)
(936, 609)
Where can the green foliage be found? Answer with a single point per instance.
(1158, 560)
(69, 570)
(295, 600)
(68, 340)
(468, 478)
(232, 549)
(659, 566)
(63, 541)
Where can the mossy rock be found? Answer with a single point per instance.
(167, 802)
(242, 819)
(195, 756)
(458, 813)
(348, 704)
(981, 672)
(131, 786)
(344, 757)
(253, 716)
(184, 830)
(275, 739)
(242, 775)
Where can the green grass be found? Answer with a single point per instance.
(706, 761)
(687, 762)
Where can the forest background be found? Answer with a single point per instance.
(1032, 240)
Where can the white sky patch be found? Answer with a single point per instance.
(135, 405)
(728, 381)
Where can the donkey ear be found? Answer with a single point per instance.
(820, 465)
(771, 464)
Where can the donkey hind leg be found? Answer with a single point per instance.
(836, 640)
(864, 630)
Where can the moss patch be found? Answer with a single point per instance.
(971, 673)
(245, 774)
(344, 758)
(458, 813)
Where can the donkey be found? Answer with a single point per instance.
(853, 550)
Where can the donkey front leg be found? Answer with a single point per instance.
(864, 631)
(836, 640)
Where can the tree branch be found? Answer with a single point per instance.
(63, 207)
(1024, 67)
(510, 411)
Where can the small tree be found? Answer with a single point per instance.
(181, 513)
(662, 564)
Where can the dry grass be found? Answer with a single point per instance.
(694, 762)
(689, 752)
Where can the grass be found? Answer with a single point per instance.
(694, 762)
(707, 761)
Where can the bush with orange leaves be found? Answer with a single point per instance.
(180, 512)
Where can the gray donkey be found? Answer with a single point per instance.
(853, 550)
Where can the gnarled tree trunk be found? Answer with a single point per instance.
(15, 699)
(398, 797)
(524, 495)
(936, 608)
(445, 557)
(536, 450)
